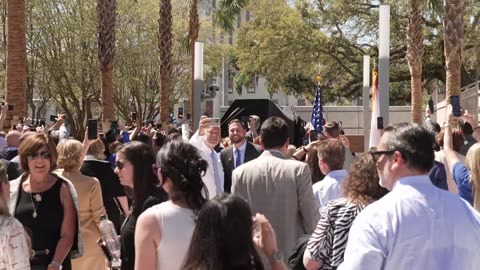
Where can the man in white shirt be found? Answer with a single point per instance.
(205, 140)
(331, 156)
(416, 225)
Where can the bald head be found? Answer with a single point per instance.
(13, 138)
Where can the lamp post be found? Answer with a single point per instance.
(366, 102)
(197, 84)
(384, 61)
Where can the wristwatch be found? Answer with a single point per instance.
(56, 264)
(276, 256)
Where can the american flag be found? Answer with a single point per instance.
(317, 112)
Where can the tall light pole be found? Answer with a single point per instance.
(366, 102)
(198, 83)
(384, 62)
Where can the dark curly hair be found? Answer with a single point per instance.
(182, 164)
(362, 183)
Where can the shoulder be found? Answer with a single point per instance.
(254, 146)
(227, 150)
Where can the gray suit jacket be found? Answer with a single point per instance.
(281, 189)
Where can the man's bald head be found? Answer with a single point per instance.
(13, 138)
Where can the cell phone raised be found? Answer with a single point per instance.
(215, 122)
(455, 102)
(92, 125)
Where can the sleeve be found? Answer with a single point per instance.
(461, 176)
(63, 132)
(196, 140)
(96, 202)
(306, 201)
(364, 249)
(321, 242)
(17, 251)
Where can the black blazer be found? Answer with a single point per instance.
(226, 156)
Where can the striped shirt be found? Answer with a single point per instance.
(328, 241)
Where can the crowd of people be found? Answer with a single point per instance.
(247, 201)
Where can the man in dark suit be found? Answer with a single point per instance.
(238, 153)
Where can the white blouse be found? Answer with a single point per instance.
(13, 244)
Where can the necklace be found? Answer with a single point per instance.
(38, 199)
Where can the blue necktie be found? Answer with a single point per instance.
(216, 174)
(238, 161)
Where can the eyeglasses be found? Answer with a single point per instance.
(377, 154)
(120, 165)
(155, 169)
(42, 155)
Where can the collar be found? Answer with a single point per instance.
(242, 147)
(274, 153)
(412, 180)
(337, 174)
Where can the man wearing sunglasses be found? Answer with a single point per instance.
(416, 225)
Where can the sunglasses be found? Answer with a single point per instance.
(42, 155)
(377, 154)
(155, 169)
(120, 165)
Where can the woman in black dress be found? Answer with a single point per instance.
(113, 193)
(44, 203)
(134, 163)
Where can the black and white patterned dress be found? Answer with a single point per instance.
(329, 240)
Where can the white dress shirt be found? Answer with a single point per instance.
(209, 177)
(330, 188)
(415, 226)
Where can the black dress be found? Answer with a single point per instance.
(111, 188)
(45, 229)
(128, 229)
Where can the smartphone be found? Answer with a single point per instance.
(379, 122)
(134, 116)
(92, 129)
(455, 102)
(313, 135)
(10, 107)
(42, 122)
(53, 117)
(430, 106)
(215, 122)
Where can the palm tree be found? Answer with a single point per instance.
(16, 57)
(453, 40)
(165, 40)
(226, 13)
(107, 12)
(415, 55)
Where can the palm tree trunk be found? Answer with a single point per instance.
(165, 40)
(16, 58)
(453, 39)
(193, 29)
(107, 11)
(415, 56)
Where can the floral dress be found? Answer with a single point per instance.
(13, 244)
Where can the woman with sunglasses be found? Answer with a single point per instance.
(165, 230)
(47, 205)
(134, 169)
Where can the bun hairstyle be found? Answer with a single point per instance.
(182, 164)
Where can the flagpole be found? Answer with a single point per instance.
(366, 102)
(384, 61)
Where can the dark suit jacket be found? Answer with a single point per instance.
(252, 151)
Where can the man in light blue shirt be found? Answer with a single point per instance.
(416, 225)
(331, 156)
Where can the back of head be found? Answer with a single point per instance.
(458, 139)
(467, 129)
(222, 238)
(274, 132)
(182, 164)
(472, 162)
(476, 134)
(362, 183)
(332, 129)
(415, 144)
(70, 154)
(332, 152)
(145, 182)
(97, 149)
(142, 137)
(13, 138)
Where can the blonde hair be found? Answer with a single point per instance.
(473, 164)
(3, 179)
(97, 150)
(70, 154)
